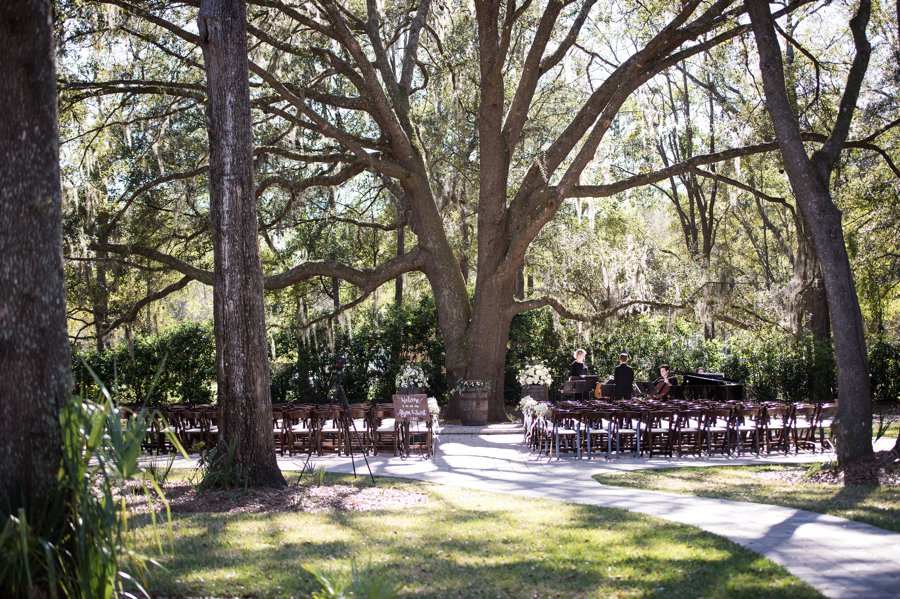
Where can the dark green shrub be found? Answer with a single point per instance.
(376, 351)
(884, 366)
(189, 352)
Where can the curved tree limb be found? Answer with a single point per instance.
(543, 301)
(131, 315)
(365, 279)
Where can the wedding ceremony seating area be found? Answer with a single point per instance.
(301, 429)
(646, 427)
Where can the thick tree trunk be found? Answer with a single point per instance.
(853, 424)
(245, 406)
(34, 346)
(808, 306)
(488, 338)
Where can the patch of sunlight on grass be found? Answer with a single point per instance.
(879, 506)
(464, 544)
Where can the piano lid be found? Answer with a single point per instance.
(707, 378)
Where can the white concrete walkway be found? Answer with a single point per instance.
(838, 557)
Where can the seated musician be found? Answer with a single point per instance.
(578, 367)
(663, 385)
(623, 377)
(701, 370)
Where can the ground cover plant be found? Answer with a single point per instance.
(813, 488)
(436, 541)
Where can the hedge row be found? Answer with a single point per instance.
(770, 363)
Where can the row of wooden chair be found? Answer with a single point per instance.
(678, 428)
(302, 428)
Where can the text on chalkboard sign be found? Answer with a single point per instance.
(411, 407)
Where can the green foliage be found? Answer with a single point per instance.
(771, 363)
(884, 366)
(216, 468)
(77, 547)
(189, 353)
(376, 351)
(361, 583)
(158, 470)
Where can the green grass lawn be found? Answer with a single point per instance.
(879, 506)
(461, 543)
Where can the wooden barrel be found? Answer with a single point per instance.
(473, 407)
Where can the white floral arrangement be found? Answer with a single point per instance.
(527, 405)
(433, 408)
(541, 409)
(411, 375)
(535, 374)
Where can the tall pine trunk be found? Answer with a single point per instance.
(245, 406)
(809, 179)
(34, 346)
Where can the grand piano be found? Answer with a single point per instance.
(709, 385)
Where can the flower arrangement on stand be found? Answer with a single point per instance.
(536, 380)
(411, 376)
(434, 409)
(527, 405)
(535, 374)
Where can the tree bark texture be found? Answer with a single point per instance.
(809, 306)
(245, 406)
(35, 367)
(809, 182)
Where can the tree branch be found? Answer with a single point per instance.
(545, 300)
(131, 315)
(825, 158)
(365, 279)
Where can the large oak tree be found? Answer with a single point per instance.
(34, 347)
(361, 86)
(810, 178)
(245, 408)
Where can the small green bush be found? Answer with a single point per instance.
(359, 583)
(77, 547)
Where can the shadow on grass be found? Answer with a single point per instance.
(472, 546)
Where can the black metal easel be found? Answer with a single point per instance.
(340, 362)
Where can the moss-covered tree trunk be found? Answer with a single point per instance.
(35, 371)
(242, 370)
(809, 178)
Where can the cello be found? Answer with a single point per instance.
(661, 390)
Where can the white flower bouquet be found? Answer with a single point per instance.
(541, 409)
(535, 374)
(411, 376)
(527, 405)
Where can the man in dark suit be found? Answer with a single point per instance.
(624, 378)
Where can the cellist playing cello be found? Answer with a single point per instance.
(662, 387)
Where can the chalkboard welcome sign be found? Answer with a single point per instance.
(411, 407)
